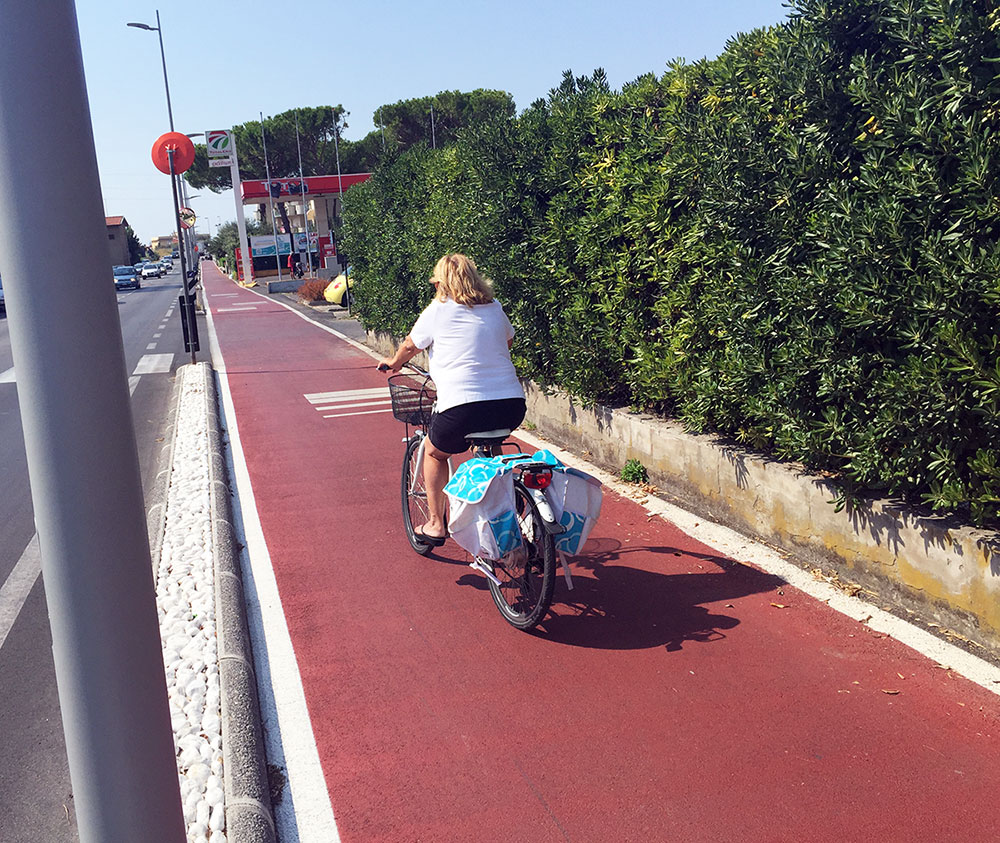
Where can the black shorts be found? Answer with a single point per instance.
(449, 429)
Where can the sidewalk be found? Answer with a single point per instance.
(675, 694)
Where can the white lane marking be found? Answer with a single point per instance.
(744, 549)
(240, 309)
(353, 404)
(346, 395)
(18, 586)
(151, 364)
(164, 325)
(361, 413)
(151, 346)
(8, 376)
(133, 382)
(353, 343)
(223, 295)
(308, 816)
(157, 336)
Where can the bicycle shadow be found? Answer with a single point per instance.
(622, 607)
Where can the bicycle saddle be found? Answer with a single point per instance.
(485, 438)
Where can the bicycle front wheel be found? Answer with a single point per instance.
(527, 575)
(416, 510)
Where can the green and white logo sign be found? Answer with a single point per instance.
(219, 142)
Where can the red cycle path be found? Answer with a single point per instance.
(666, 698)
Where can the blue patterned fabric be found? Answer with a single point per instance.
(473, 477)
(506, 532)
(573, 523)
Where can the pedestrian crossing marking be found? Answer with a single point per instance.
(8, 376)
(346, 395)
(151, 364)
(350, 400)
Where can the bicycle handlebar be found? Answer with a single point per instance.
(383, 368)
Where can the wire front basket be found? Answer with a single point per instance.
(413, 398)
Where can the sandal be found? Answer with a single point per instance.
(433, 541)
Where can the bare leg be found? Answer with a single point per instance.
(436, 478)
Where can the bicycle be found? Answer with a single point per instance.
(523, 581)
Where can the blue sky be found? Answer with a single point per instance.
(228, 61)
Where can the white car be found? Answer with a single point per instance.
(152, 270)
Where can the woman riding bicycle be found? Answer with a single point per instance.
(468, 338)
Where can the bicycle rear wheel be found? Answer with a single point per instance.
(527, 575)
(416, 510)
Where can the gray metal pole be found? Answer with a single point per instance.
(78, 432)
(340, 200)
(163, 58)
(188, 296)
(270, 198)
(302, 183)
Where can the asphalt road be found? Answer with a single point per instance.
(35, 788)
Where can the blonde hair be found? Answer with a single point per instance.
(458, 279)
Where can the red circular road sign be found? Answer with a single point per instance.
(183, 152)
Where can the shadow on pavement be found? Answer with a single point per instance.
(627, 608)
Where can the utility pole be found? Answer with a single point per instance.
(85, 485)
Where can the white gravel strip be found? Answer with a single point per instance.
(185, 597)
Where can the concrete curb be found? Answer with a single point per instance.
(156, 512)
(249, 817)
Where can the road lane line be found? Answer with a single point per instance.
(152, 364)
(245, 309)
(346, 395)
(18, 586)
(354, 404)
(157, 336)
(8, 376)
(362, 413)
(133, 382)
(306, 817)
(151, 346)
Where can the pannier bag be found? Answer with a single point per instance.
(482, 518)
(576, 499)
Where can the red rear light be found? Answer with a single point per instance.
(537, 479)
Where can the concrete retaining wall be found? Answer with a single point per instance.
(933, 566)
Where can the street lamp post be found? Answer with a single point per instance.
(163, 57)
(158, 29)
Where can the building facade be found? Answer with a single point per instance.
(118, 240)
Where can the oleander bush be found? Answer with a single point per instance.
(794, 244)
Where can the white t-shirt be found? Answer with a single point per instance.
(469, 357)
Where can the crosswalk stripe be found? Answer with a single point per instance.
(151, 364)
(346, 395)
(352, 404)
(362, 413)
(8, 376)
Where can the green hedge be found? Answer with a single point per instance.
(795, 244)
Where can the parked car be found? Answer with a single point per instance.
(152, 270)
(339, 291)
(126, 278)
